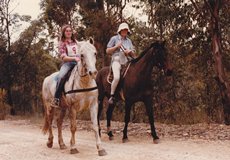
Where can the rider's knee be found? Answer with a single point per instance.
(116, 77)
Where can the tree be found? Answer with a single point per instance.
(32, 63)
(214, 7)
(56, 13)
(9, 20)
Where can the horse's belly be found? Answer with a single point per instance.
(83, 100)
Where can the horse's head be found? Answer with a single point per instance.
(161, 57)
(88, 56)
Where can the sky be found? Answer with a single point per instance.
(32, 8)
(27, 7)
(24, 7)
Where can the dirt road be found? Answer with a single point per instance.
(23, 140)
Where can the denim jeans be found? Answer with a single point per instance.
(65, 68)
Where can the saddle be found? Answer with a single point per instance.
(64, 80)
(124, 69)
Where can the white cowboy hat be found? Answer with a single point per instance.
(123, 26)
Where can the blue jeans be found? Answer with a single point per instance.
(65, 68)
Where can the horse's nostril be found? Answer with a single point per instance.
(92, 73)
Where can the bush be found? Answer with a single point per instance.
(4, 108)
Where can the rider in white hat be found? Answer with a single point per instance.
(121, 48)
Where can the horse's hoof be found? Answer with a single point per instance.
(125, 140)
(49, 144)
(74, 151)
(63, 146)
(156, 141)
(102, 152)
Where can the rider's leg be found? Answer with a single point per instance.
(116, 67)
(61, 81)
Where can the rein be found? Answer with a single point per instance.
(84, 74)
(83, 89)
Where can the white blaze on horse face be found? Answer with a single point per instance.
(89, 56)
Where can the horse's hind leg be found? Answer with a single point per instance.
(127, 119)
(109, 114)
(93, 115)
(149, 104)
(60, 118)
(73, 128)
(51, 137)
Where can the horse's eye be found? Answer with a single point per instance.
(95, 53)
(82, 56)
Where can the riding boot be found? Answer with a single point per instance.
(59, 89)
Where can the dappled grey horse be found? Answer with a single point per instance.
(80, 92)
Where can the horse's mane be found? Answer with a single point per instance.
(142, 53)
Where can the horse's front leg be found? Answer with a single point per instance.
(109, 114)
(128, 106)
(73, 128)
(100, 105)
(149, 109)
(93, 115)
(60, 118)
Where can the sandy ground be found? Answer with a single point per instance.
(23, 140)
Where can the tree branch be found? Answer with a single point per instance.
(197, 9)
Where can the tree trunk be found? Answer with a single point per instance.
(100, 4)
(214, 6)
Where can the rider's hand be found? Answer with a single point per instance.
(127, 52)
(77, 58)
(119, 44)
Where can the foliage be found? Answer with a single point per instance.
(4, 108)
(191, 95)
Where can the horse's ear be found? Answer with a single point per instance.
(91, 40)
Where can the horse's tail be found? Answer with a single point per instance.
(47, 109)
(46, 123)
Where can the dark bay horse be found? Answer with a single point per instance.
(136, 85)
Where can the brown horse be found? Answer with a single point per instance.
(136, 85)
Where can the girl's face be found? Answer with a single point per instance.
(124, 32)
(68, 33)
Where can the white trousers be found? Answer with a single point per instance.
(116, 68)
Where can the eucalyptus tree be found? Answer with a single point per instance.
(10, 21)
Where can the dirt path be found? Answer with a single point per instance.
(23, 140)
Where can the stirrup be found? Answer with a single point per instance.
(55, 103)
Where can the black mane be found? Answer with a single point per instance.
(154, 44)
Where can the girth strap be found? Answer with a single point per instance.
(80, 90)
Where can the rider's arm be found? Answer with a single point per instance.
(63, 53)
(112, 49)
(70, 59)
(112, 46)
(131, 51)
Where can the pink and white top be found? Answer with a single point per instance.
(67, 48)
